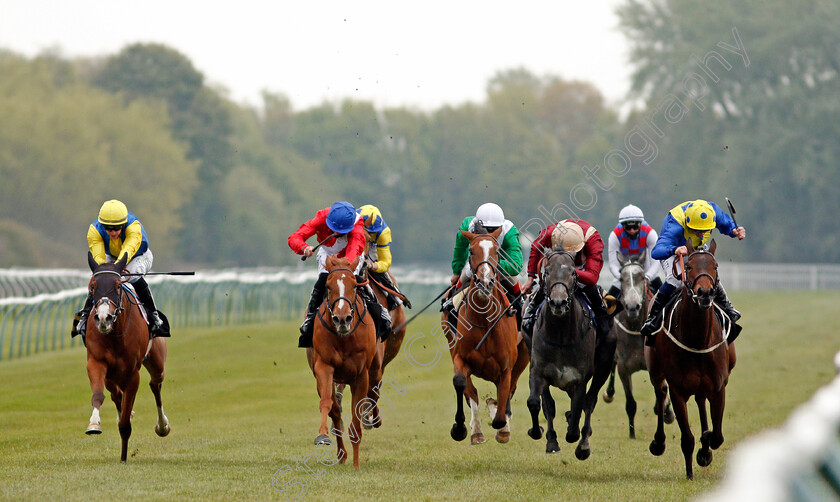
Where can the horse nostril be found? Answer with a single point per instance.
(348, 318)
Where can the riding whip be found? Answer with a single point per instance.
(732, 212)
(303, 258)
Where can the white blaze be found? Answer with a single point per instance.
(340, 293)
(486, 245)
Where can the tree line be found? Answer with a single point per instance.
(728, 103)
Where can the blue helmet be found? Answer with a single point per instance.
(342, 217)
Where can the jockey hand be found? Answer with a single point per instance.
(740, 232)
(307, 251)
(681, 251)
(370, 264)
(454, 279)
(526, 288)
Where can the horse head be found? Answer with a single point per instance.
(484, 260)
(701, 277)
(341, 293)
(559, 279)
(632, 277)
(106, 288)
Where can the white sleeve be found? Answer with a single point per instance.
(613, 248)
(651, 265)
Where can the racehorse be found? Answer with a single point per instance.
(629, 352)
(344, 351)
(118, 343)
(484, 342)
(564, 355)
(691, 356)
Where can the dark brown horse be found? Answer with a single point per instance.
(118, 343)
(345, 351)
(635, 298)
(485, 343)
(691, 357)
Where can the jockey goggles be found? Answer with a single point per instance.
(631, 225)
(112, 228)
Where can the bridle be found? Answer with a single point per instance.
(688, 283)
(105, 299)
(331, 304)
(493, 267)
(547, 289)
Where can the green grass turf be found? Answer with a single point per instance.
(244, 412)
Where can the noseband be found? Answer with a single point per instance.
(332, 304)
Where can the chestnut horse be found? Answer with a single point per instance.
(691, 356)
(564, 354)
(118, 343)
(485, 342)
(635, 298)
(344, 351)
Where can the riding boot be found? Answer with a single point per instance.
(381, 316)
(307, 328)
(725, 304)
(514, 297)
(614, 291)
(141, 287)
(603, 321)
(530, 314)
(654, 320)
(81, 317)
(654, 284)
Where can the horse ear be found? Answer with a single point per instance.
(355, 263)
(91, 262)
(712, 246)
(467, 234)
(689, 246)
(122, 262)
(640, 258)
(329, 264)
(496, 233)
(621, 259)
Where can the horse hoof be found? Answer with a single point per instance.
(572, 436)
(93, 429)
(503, 437)
(477, 438)
(458, 432)
(552, 447)
(656, 448)
(535, 433)
(704, 457)
(608, 398)
(162, 431)
(582, 453)
(669, 417)
(323, 439)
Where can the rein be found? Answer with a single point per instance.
(687, 283)
(353, 308)
(725, 332)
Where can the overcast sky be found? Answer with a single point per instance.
(418, 54)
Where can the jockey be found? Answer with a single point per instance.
(632, 236)
(115, 233)
(692, 220)
(580, 239)
(490, 217)
(340, 231)
(378, 258)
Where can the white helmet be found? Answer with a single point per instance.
(490, 215)
(630, 213)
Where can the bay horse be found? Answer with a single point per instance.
(118, 343)
(691, 357)
(484, 342)
(636, 299)
(344, 351)
(564, 355)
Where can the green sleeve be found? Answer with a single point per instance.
(462, 248)
(510, 256)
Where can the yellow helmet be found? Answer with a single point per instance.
(372, 218)
(113, 212)
(699, 215)
(568, 236)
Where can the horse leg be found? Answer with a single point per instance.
(116, 395)
(717, 404)
(129, 394)
(503, 434)
(583, 451)
(686, 437)
(522, 360)
(704, 454)
(458, 432)
(373, 419)
(338, 427)
(630, 405)
(96, 374)
(550, 411)
(609, 392)
(577, 396)
(339, 393)
(660, 388)
(503, 393)
(536, 383)
(732, 356)
(471, 395)
(669, 412)
(359, 388)
(155, 366)
(324, 379)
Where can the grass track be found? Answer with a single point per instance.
(243, 409)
